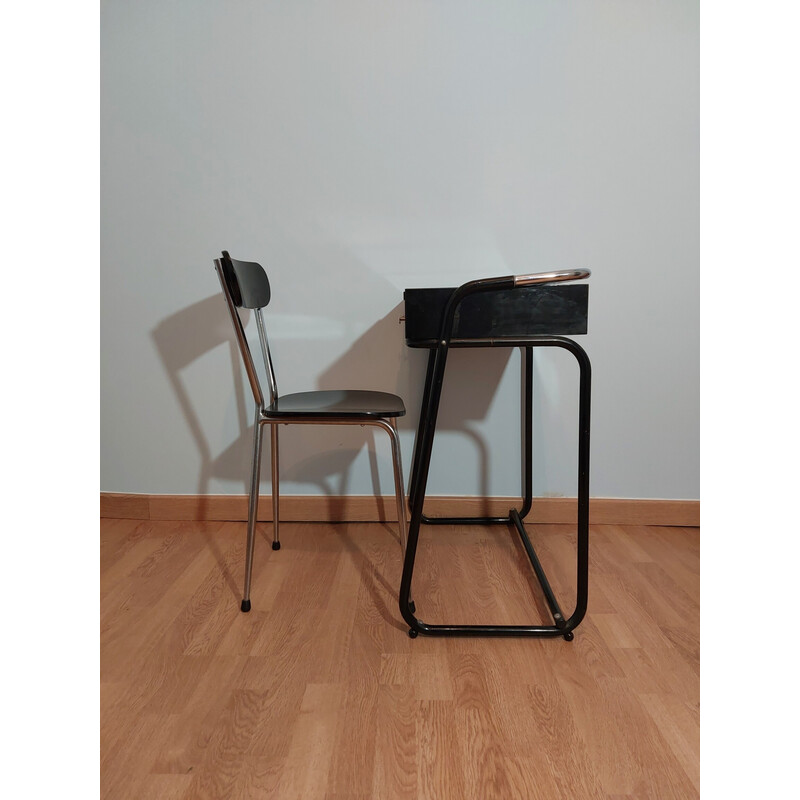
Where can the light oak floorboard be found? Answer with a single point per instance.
(318, 692)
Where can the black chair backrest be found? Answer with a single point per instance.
(247, 282)
(245, 285)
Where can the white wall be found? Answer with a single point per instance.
(357, 148)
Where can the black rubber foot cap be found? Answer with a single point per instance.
(245, 605)
(412, 633)
(569, 636)
(276, 545)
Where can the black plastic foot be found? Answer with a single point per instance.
(569, 636)
(245, 605)
(276, 545)
(412, 633)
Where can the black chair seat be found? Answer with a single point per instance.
(337, 404)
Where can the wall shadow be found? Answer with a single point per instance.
(180, 340)
(380, 359)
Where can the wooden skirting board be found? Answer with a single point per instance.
(364, 508)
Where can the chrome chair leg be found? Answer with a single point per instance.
(252, 511)
(399, 491)
(276, 542)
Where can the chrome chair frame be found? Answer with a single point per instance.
(264, 417)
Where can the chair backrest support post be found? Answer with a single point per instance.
(262, 337)
(241, 338)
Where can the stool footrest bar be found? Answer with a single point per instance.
(555, 609)
(466, 520)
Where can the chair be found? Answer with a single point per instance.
(245, 285)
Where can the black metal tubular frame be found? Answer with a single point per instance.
(423, 449)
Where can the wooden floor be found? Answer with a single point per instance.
(320, 693)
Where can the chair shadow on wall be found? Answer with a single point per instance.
(380, 359)
(182, 339)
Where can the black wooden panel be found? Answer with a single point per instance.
(547, 310)
(247, 282)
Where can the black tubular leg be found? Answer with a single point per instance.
(584, 422)
(423, 452)
(423, 413)
(528, 434)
